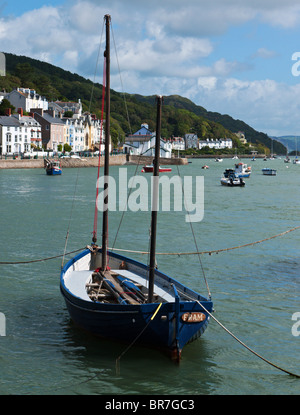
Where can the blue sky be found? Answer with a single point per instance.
(229, 56)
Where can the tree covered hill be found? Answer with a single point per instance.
(180, 115)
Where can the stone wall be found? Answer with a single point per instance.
(118, 160)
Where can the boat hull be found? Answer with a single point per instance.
(232, 183)
(269, 172)
(149, 169)
(168, 326)
(53, 172)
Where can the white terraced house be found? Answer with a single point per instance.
(17, 132)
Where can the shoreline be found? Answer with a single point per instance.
(117, 160)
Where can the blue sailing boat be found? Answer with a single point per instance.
(129, 301)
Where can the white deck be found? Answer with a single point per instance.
(76, 281)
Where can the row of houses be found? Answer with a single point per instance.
(47, 126)
(142, 143)
(19, 133)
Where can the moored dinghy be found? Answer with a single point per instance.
(127, 300)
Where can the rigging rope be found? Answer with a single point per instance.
(93, 87)
(99, 159)
(247, 347)
(68, 231)
(195, 240)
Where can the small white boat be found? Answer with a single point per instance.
(269, 172)
(232, 180)
(242, 170)
(205, 166)
(219, 160)
(296, 160)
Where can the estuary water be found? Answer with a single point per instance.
(255, 289)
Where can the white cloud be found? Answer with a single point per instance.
(264, 53)
(165, 47)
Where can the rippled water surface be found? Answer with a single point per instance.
(255, 289)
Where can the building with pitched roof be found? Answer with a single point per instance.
(52, 128)
(18, 132)
(143, 143)
(26, 99)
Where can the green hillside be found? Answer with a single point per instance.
(180, 115)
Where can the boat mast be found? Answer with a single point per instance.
(107, 139)
(154, 200)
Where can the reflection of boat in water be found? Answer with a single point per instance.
(150, 169)
(269, 172)
(52, 167)
(115, 297)
(232, 180)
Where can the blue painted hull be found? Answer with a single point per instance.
(53, 172)
(168, 330)
(243, 175)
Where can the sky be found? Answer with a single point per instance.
(235, 57)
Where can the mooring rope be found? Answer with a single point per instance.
(137, 337)
(244, 345)
(41, 259)
(216, 251)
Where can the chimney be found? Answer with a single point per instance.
(51, 112)
(31, 114)
(8, 112)
(38, 111)
(20, 111)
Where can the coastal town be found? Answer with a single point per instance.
(39, 125)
